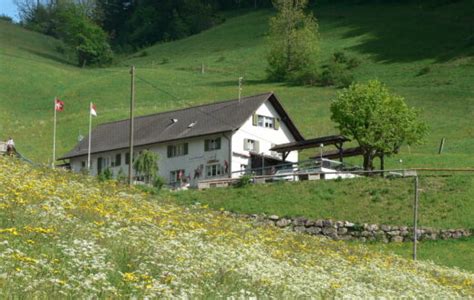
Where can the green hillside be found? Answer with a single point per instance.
(424, 53)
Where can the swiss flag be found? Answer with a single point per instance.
(58, 105)
(93, 110)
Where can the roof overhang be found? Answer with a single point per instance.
(334, 154)
(337, 140)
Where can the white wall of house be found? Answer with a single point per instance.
(266, 138)
(198, 163)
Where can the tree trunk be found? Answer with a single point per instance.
(382, 164)
(368, 161)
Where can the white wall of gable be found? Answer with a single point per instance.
(267, 137)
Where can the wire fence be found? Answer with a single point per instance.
(430, 195)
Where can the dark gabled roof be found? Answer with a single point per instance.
(158, 128)
(311, 143)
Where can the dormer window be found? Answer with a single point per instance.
(174, 120)
(192, 124)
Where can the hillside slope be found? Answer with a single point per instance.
(424, 53)
(69, 236)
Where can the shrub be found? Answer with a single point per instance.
(339, 57)
(338, 71)
(423, 71)
(121, 176)
(6, 18)
(306, 76)
(244, 181)
(353, 62)
(61, 48)
(105, 175)
(336, 74)
(158, 182)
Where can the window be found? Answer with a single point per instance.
(176, 175)
(127, 158)
(102, 164)
(118, 160)
(266, 122)
(83, 164)
(212, 144)
(99, 165)
(214, 170)
(177, 150)
(251, 145)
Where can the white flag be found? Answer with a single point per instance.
(93, 110)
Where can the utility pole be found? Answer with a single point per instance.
(441, 145)
(54, 133)
(240, 87)
(132, 104)
(415, 218)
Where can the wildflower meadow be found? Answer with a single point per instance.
(65, 235)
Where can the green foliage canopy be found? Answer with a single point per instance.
(87, 39)
(378, 120)
(146, 165)
(293, 41)
(74, 23)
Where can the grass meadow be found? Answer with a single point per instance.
(69, 236)
(445, 202)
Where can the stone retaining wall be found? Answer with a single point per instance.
(344, 230)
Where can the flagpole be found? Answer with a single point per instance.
(89, 149)
(54, 135)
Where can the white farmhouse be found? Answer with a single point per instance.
(222, 139)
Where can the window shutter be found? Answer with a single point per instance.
(206, 145)
(218, 143)
(276, 123)
(246, 144)
(256, 146)
(170, 154)
(185, 148)
(255, 119)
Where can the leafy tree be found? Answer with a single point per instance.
(293, 41)
(146, 165)
(71, 21)
(83, 35)
(378, 120)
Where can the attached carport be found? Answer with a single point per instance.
(334, 140)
